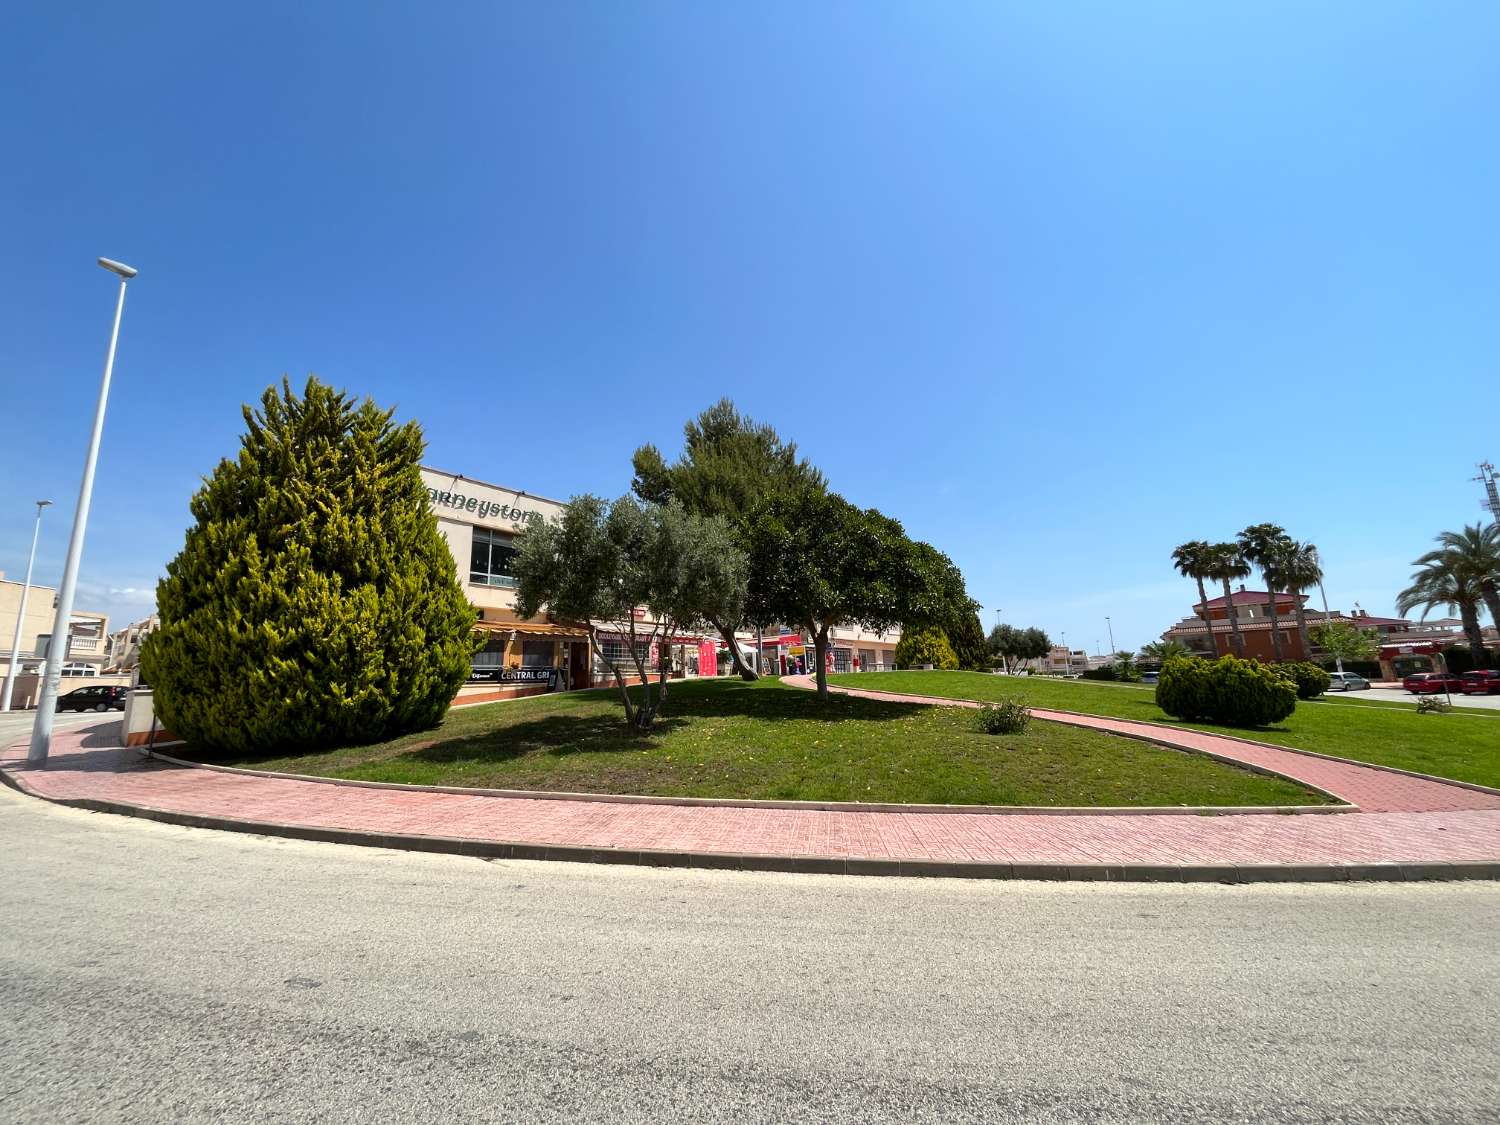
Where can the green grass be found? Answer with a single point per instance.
(722, 738)
(1460, 746)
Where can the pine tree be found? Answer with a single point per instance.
(315, 602)
(969, 644)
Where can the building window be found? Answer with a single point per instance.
(79, 670)
(492, 559)
(843, 660)
(616, 648)
(536, 654)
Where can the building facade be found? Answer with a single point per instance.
(480, 522)
(88, 641)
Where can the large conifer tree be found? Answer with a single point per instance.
(314, 602)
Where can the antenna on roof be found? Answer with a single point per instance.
(1491, 502)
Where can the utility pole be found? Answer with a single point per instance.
(1491, 492)
(15, 645)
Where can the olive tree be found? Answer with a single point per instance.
(642, 571)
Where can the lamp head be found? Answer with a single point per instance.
(118, 267)
(44, 503)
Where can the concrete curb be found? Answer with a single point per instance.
(803, 864)
(809, 806)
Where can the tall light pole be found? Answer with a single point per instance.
(1337, 659)
(57, 647)
(15, 644)
(1111, 629)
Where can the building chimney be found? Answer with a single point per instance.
(1241, 590)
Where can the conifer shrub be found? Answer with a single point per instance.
(1310, 680)
(314, 602)
(925, 646)
(1227, 691)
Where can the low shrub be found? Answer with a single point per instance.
(1227, 691)
(1432, 705)
(1009, 716)
(1105, 673)
(1311, 681)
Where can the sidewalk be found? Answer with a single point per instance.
(1405, 827)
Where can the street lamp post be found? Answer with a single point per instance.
(57, 647)
(1111, 629)
(15, 644)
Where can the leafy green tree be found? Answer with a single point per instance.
(1194, 559)
(1126, 667)
(1343, 641)
(925, 646)
(1268, 547)
(820, 562)
(1226, 564)
(968, 641)
(314, 602)
(1015, 646)
(728, 465)
(600, 564)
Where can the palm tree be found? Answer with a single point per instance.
(1476, 550)
(1266, 546)
(1467, 566)
(1162, 651)
(1228, 565)
(1438, 582)
(1301, 571)
(1192, 560)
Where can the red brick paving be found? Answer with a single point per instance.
(1416, 822)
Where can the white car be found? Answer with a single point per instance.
(1347, 681)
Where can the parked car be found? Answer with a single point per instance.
(1347, 681)
(1150, 677)
(1485, 682)
(105, 697)
(1430, 683)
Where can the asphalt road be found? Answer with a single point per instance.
(1400, 695)
(16, 725)
(154, 973)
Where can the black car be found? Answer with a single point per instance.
(102, 698)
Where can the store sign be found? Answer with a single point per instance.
(515, 675)
(484, 509)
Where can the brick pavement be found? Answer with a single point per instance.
(1461, 827)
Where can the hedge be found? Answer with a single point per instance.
(1227, 691)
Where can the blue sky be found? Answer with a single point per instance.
(1058, 286)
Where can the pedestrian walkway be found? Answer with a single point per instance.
(1451, 835)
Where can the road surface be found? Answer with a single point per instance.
(155, 973)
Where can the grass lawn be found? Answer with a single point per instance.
(724, 738)
(1462, 746)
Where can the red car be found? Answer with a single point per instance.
(1481, 683)
(1430, 683)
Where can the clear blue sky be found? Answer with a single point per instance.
(1059, 286)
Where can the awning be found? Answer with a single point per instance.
(533, 629)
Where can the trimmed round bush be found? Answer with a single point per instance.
(1311, 680)
(1227, 691)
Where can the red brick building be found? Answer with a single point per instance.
(1208, 632)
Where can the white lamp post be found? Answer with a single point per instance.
(15, 644)
(1111, 629)
(57, 648)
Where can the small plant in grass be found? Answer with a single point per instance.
(1432, 705)
(1009, 716)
